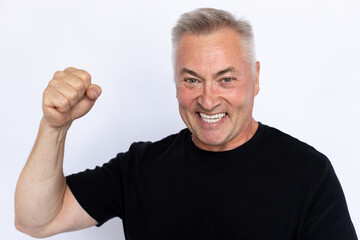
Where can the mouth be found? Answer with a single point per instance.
(212, 118)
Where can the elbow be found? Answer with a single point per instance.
(28, 230)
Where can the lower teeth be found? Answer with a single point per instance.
(211, 120)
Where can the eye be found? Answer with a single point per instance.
(192, 83)
(191, 80)
(227, 80)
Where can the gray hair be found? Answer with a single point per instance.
(207, 20)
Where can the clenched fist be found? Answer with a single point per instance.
(69, 95)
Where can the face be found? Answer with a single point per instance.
(215, 88)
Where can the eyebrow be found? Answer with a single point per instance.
(222, 72)
(191, 72)
(218, 74)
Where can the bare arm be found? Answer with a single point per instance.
(44, 205)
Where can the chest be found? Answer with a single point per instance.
(196, 201)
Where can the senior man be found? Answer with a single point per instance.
(226, 176)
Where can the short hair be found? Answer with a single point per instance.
(207, 20)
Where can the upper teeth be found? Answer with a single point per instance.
(212, 118)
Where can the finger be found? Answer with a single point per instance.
(61, 78)
(58, 74)
(83, 107)
(69, 69)
(83, 75)
(71, 92)
(54, 99)
(75, 83)
(55, 117)
(93, 92)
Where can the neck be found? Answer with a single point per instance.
(244, 136)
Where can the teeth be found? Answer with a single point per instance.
(212, 118)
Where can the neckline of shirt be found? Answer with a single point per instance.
(242, 148)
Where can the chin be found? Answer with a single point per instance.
(209, 141)
(213, 142)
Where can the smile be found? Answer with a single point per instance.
(211, 118)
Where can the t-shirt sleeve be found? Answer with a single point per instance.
(100, 191)
(328, 216)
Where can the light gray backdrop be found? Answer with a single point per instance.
(309, 53)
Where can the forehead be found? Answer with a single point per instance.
(212, 51)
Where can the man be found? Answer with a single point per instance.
(224, 177)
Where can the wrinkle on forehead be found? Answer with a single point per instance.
(210, 53)
(209, 60)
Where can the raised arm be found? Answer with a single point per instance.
(44, 205)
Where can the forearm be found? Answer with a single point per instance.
(44, 206)
(41, 185)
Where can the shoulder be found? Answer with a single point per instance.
(283, 142)
(157, 148)
(293, 151)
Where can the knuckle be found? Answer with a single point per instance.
(46, 92)
(79, 86)
(53, 83)
(74, 95)
(58, 74)
(73, 98)
(69, 69)
(85, 75)
(45, 95)
(64, 105)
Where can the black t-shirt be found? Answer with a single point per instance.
(271, 187)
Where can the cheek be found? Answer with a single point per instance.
(240, 96)
(236, 96)
(185, 97)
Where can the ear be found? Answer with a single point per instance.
(257, 74)
(176, 86)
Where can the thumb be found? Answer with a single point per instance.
(87, 102)
(93, 92)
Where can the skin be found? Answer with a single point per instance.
(44, 205)
(213, 77)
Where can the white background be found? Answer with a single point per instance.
(309, 53)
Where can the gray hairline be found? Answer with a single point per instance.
(248, 46)
(189, 23)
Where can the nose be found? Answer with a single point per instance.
(209, 98)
